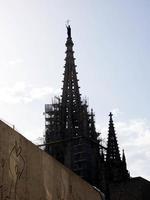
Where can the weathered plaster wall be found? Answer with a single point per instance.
(28, 173)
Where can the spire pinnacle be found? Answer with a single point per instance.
(110, 115)
(68, 29)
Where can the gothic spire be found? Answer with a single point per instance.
(123, 156)
(94, 134)
(112, 145)
(126, 174)
(124, 160)
(71, 101)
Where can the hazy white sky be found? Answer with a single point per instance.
(112, 45)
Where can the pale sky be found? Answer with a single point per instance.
(112, 45)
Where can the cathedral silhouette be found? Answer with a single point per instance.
(71, 138)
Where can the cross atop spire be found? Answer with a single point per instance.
(110, 115)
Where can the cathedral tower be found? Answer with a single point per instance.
(70, 128)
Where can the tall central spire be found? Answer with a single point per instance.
(71, 101)
(71, 126)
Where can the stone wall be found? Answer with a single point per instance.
(28, 173)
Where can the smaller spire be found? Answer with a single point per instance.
(112, 144)
(93, 130)
(117, 168)
(125, 172)
(124, 160)
(123, 156)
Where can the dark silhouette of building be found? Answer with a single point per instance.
(72, 139)
(71, 126)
